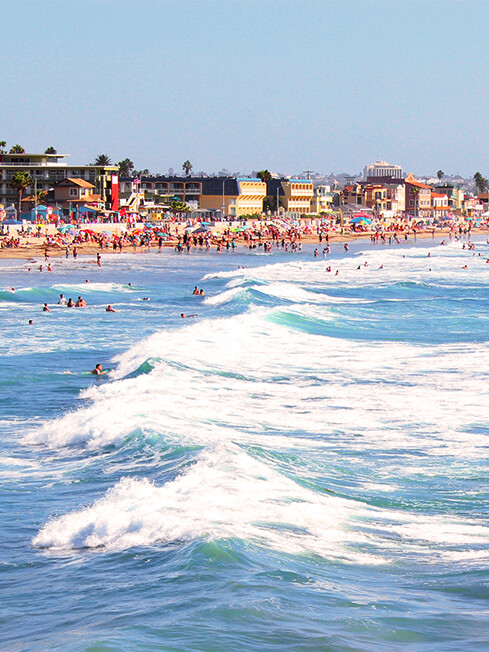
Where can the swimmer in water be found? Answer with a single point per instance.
(45, 308)
(182, 315)
(110, 309)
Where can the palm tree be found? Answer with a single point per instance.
(126, 166)
(102, 159)
(21, 181)
(415, 192)
(264, 175)
(187, 167)
(480, 182)
(440, 174)
(3, 145)
(17, 149)
(50, 150)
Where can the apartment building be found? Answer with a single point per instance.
(230, 195)
(417, 197)
(47, 170)
(382, 169)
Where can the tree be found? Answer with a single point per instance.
(480, 182)
(264, 175)
(178, 206)
(126, 167)
(3, 145)
(102, 159)
(187, 167)
(142, 173)
(415, 193)
(17, 149)
(20, 182)
(440, 174)
(50, 150)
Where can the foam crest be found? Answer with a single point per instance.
(205, 386)
(226, 494)
(226, 297)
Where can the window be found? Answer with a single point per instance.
(73, 192)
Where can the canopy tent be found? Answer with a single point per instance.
(360, 220)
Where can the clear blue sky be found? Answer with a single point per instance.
(286, 85)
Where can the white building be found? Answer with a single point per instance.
(382, 169)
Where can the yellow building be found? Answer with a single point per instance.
(232, 196)
(298, 195)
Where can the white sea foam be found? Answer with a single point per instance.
(226, 494)
(256, 379)
(216, 375)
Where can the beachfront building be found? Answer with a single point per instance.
(75, 191)
(375, 197)
(232, 196)
(47, 170)
(322, 201)
(380, 169)
(295, 197)
(439, 204)
(298, 194)
(455, 195)
(417, 197)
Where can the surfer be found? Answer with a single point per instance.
(110, 309)
(182, 315)
(98, 370)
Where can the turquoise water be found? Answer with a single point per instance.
(302, 466)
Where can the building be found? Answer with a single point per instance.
(230, 195)
(295, 196)
(233, 196)
(322, 201)
(417, 197)
(439, 204)
(47, 170)
(75, 191)
(455, 195)
(382, 169)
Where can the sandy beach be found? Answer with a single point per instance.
(33, 247)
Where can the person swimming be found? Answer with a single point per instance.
(110, 309)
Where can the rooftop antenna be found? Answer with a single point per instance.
(308, 172)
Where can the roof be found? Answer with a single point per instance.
(76, 182)
(412, 181)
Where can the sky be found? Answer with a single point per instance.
(287, 85)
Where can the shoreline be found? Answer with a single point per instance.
(33, 250)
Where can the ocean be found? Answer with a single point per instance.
(300, 466)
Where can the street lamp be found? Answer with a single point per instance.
(223, 207)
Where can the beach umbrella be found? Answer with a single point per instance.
(360, 220)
